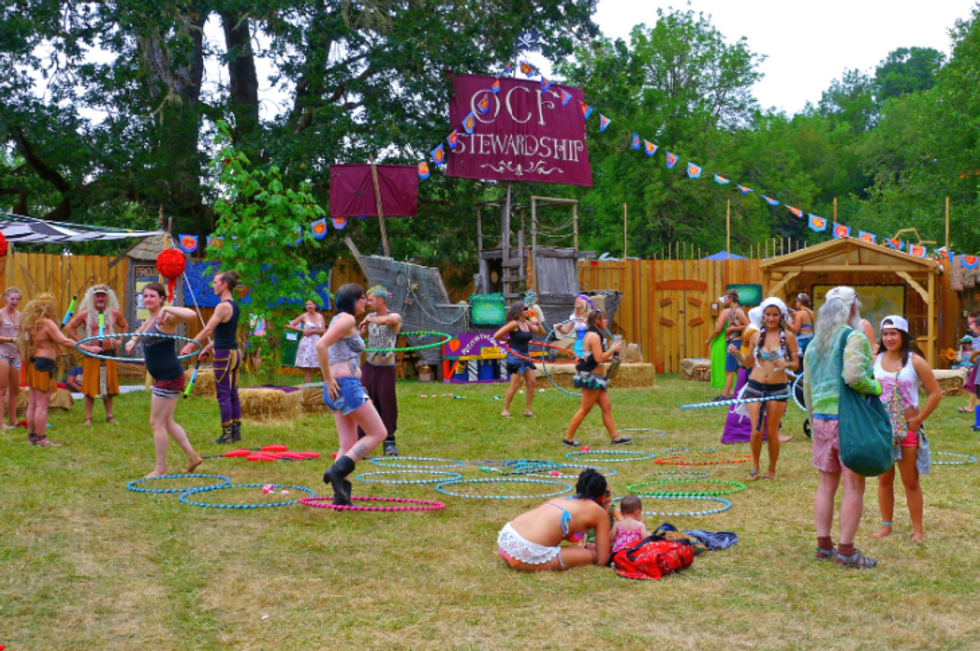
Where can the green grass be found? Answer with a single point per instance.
(87, 564)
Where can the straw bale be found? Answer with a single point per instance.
(630, 376)
(951, 381)
(130, 371)
(270, 404)
(696, 369)
(204, 384)
(60, 400)
(313, 401)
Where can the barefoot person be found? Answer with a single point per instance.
(772, 351)
(99, 314)
(339, 351)
(577, 324)
(803, 319)
(731, 323)
(378, 376)
(227, 360)
(901, 372)
(531, 542)
(310, 325)
(591, 379)
(839, 350)
(520, 327)
(167, 373)
(38, 340)
(9, 357)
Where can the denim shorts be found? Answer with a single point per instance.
(517, 366)
(350, 398)
(731, 362)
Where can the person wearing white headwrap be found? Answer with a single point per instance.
(771, 351)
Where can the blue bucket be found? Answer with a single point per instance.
(486, 369)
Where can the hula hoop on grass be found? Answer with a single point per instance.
(396, 463)
(135, 360)
(501, 480)
(708, 460)
(675, 473)
(134, 485)
(659, 432)
(634, 456)
(365, 475)
(521, 467)
(185, 497)
(725, 505)
(966, 459)
(606, 472)
(676, 451)
(422, 334)
(327, 503)
(635, 488)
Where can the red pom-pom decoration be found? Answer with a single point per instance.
(171, 264)
(3, 245)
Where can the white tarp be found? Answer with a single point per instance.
(26, 230)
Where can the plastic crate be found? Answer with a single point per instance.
(487, 309)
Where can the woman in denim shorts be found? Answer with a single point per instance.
(339, 352)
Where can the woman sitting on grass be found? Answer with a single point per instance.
(518, 331)
(531, 542)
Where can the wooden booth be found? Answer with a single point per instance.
(887, 282)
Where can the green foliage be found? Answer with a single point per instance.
(262, 223)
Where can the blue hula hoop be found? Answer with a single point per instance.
(725, 505)
(364, 476)
(502, 480)
(577, 351)
(606, 472)
(185, 496)
(136, 360)
(396, 463)
(966, 459)
(134, 485)
(636, 456)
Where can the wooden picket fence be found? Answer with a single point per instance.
(63, 276)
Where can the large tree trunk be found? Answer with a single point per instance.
(241, 73)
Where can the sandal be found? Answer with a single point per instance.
(571, 443)
(825, 554)
(857, 561)
(963, 410)
(753, 476)
(32, 438)
(45, 442)
(110, 420)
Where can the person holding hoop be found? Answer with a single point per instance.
(531, 542)
(167, 373)
(590, 378)
(381, 326)
(310, 325)
(339, 351)
(520, 327)
(577, 323)
(9, 357)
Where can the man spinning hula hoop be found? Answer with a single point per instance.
(224, 324)
(378, 375)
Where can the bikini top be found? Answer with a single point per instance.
(808, 325)
(770, 356)
(566, 524)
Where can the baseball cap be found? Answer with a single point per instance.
(896, 322)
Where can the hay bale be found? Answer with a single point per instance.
(204, 384)
(313, 401)
(696, 369)
(132, 372)
(630, 376)
(60, 400)
(951, 381)
(270, 404)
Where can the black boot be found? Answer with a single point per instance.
(226, 436)
(236, 431)
(335, 476)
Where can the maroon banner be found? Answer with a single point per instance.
(526, 135)
(352, 191)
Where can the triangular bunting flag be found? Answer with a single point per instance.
(453, 139)
(319, 228)
(509, 68)
(215, 241)
(636, 141)
(339, 222)
(495, 86)
(841, 231)
(188, 243)
(742, 189)
(545, 84)
(970, 261)
(484, 104)
(795, 211)
(469, 123)
(671, 160)
(527, 69)
(603, 122)
(423, 170)
(771, 202)
(896, 244)
(917, 251)
(586, 110)
(817, 223)
(566, 97)
(721, 179)
(865, 236)
(439, 155)
(693, 171)
(649, 148)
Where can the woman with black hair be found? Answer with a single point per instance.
(590, 377)
(518, 332)
(803, 320)
(900, 372)
(531, 542)
(339, 352)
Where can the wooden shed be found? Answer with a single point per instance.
(888, 281)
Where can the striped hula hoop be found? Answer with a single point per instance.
(135, 360)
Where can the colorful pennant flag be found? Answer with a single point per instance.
(586, 110)
(896, 244)
(545, 84)
(453, 139)
(527, 69)
(742, 189)
(469, 123)
(795, 211)
(970, 261)
(817, 223)
(693, 171)
(439, 155)
(509, 68)
(721, 180)
(319, 227)
(917, 251)
(423, 170)
(865, 236)
(671, 160)
(495, 86)
(484, 104)
(841, 231)
(603, 122)
(636, 141)
(771, 202)
(566, 97)
(649, 148)
(215, 241)
(339, 222)
(188, 243)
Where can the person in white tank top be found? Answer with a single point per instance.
(900, 372)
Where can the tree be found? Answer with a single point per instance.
(907, 70)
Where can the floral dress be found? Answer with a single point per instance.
(306, 351)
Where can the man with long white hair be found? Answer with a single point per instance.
(839, 350)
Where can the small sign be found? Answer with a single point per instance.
(666, 322)
(666, 301)
(695, 322)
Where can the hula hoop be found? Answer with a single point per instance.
(136, 360)
(659, 432)
(798, 380)
(575, 358)
(693, 514)
(185, 497)
(544, 367)
(415, 333)
(327, 503)
(967, 459)
(134, 485)
(636, 456)
(634, 488)
(364, 477)
(686, 460)
(734, 401)
(521, 467)
(502, 480)
(606, 472)
(673, 473)
(673, 452)
(396, 463)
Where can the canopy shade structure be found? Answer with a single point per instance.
(722, 255)
(28, 230)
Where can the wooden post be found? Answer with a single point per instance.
(575, 225)
(479, 233)
(835, 210)
(625, 231)
(947, 224)
(533, 280)
(728, 230)
(381, 214)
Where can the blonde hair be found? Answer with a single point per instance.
(43, 306)
(11, 291)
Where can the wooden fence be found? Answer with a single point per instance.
(63, 276)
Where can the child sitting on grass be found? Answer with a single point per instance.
(630, 530)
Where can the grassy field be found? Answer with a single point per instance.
(87, 564)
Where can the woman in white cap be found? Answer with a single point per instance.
(772, 350)
(900, 373)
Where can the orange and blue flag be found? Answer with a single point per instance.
(817, 223)
(671, 160)
(423, 170)
(509, 68)
(865, 236)
(742, 189)
(649, 148)
(566, 97)
(188, 243)
(841, 231)
(693, 171)
(798, 212)
(917, 250)
(215, 241)
(721, 180)
(439, 155)
(453, 139)
(545, 84)
(636, 141)
(484, 104)
(319, 228)
(339, 222)
(495, 86)
(894, 243)
(527, 69)
(771, 202)
(469, 123)
(970, 261)
(603, 122)
(586, 110)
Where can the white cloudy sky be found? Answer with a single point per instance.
(808, 44)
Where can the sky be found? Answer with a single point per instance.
(807, 44)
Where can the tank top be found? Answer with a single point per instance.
(226, 334)
(161, 355)
(589, 363)
(906, 378)
(519, 340)
(347, 349)
(381, 337)
(8, 329)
